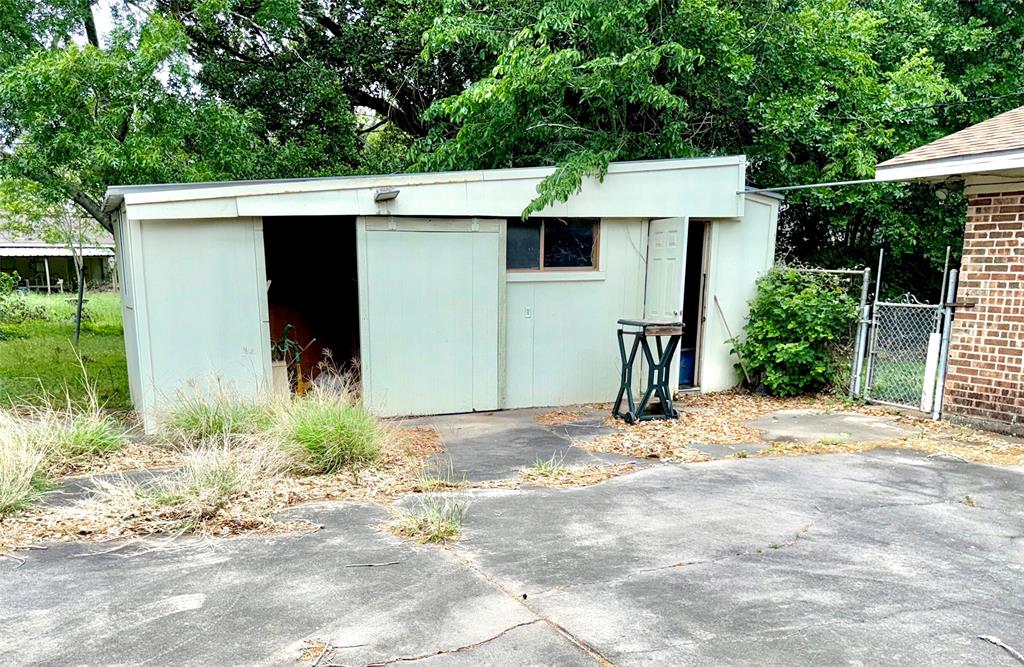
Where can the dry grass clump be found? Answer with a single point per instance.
(22, 465)
(558, 417)
(327, 430)
(194, 498)
(574, 476)
(197, 415)
(43, 442)
(437, 519)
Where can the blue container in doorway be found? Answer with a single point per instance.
(687, 357)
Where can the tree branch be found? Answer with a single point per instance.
(91, 206)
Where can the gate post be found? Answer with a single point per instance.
(860, 342)
(947, 323)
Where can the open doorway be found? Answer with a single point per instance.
(313, 290)
(693, 306)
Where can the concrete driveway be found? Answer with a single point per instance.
(841, 559)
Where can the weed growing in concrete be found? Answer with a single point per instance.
(437, 476)
(742, 454)
(327, 431)
(550, 467)
(436, 520)
(212, 475)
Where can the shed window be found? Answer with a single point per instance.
(552, 244)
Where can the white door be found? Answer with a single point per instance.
(666, 259)
(429, 295)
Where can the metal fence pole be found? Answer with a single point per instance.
(860, 340)
(873, 330)
(947, 324)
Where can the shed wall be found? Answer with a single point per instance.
(200, 309)
(561, 325)
(740, 252)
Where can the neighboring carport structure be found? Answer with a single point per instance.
(985, 381)
(47, 267)
(432, 284)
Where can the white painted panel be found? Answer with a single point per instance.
(205, 208)
(740, 252)
(666, 258)
(432, 321)
(335, 202)
(204, 285)
(672, 188)
(562, 347)
(122, 236)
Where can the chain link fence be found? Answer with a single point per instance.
(896, 368)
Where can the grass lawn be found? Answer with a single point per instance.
(37, 355)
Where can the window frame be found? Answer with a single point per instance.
(595, 252)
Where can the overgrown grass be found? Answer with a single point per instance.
(196, 416)
(37, 357)
(212, 476)
(22, 465)
(436, 520)
(40, 443)
(329, 430)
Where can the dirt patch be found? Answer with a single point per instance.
(558, 417)
(721, 419)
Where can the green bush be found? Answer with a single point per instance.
(330, 431)
(8, 281)
(796, 320)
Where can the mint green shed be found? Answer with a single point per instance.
(432, 285)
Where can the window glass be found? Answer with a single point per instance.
(523, 247)
(568, 243)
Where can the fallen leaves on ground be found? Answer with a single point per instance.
(253, 510)
(721, 419)
(558, 417)
(573, 476)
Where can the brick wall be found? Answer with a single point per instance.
(985, 382)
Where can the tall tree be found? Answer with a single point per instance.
(809, 90)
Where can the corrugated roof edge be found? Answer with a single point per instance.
(115, 194)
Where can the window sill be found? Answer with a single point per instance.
(553, 276)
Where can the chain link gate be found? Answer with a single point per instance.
(904, 344)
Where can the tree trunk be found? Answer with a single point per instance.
(90, 27)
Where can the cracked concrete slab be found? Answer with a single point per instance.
(532, 644)
(484, 446)
(852, 559)
(855, 558)
(251, 600)
(813, 426)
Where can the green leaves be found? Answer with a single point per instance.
(585, 83)
(796, 322)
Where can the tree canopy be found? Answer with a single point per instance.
(809, 90)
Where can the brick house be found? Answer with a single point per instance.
(985, 381)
